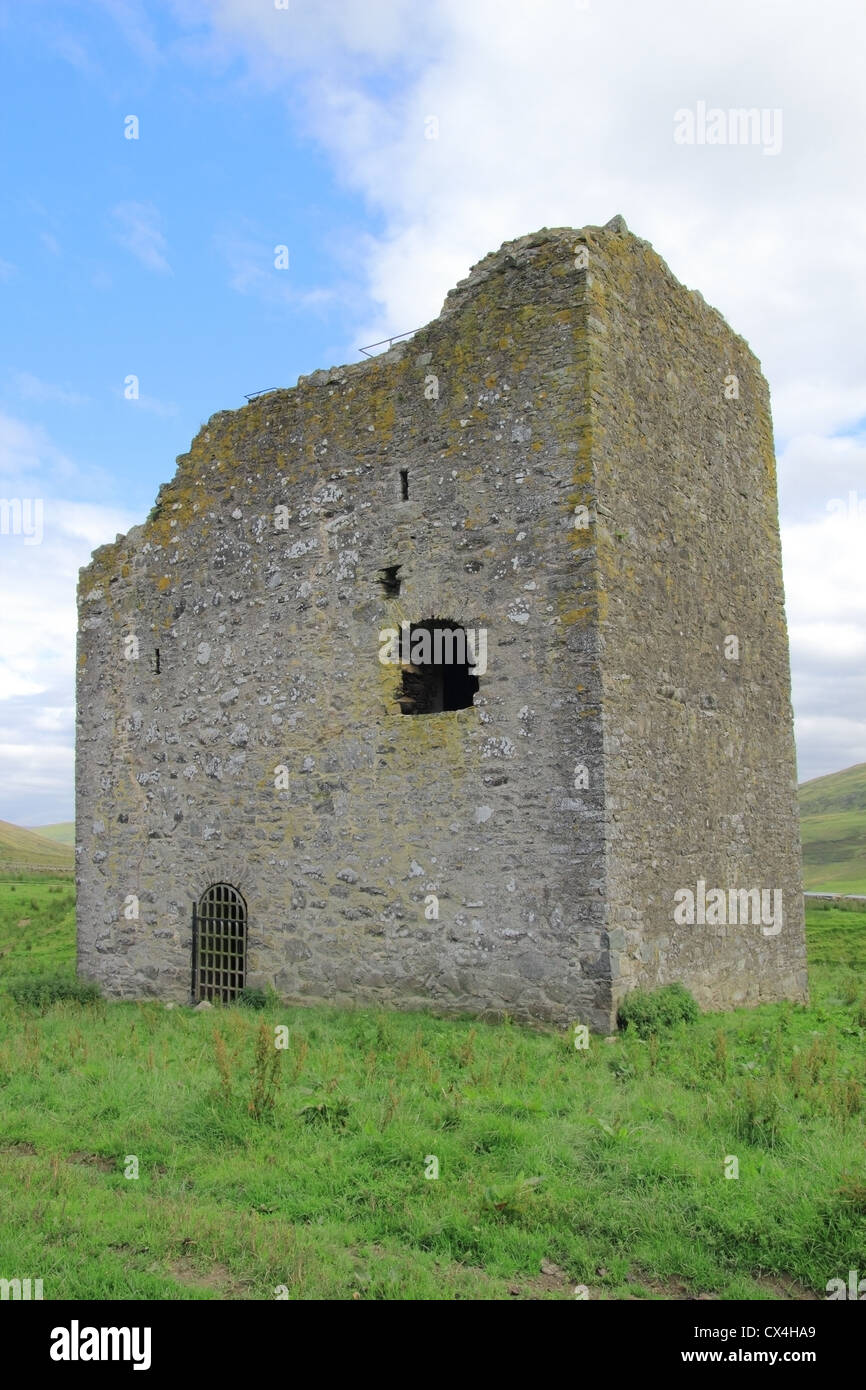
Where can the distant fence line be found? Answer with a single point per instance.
(838, 897)
(11, 866)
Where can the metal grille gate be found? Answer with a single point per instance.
(219, 944)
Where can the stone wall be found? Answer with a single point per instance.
(699, 761)
(542, 387)
(268, 643)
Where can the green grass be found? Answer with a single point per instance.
(834, 852)
(604, 1167)
(836, 935)
(37, 925)
(833, 828)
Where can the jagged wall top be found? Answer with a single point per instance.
(514, 255)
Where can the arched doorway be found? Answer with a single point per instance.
(219, 944)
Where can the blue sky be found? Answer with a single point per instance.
(155, 256)
(308, 127)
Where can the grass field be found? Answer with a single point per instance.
(20, 846)
(557, 1167)
(37, 925)
(833, 829)
(834, 852)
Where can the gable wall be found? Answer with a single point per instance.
(269, 646)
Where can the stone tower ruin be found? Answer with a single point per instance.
(586, 785)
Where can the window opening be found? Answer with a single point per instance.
(438, 675)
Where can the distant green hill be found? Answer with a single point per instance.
(63, 832)
(20, 846)
(833, 826)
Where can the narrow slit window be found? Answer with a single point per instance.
(404, 484)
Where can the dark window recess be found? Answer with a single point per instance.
(390, 580)
(156, 660)
(219, 944)
(404, 484)
(445, 681)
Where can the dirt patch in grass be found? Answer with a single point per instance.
(673, 1289)
(105, 1165)
(785, 1288)
(551, 1279)
(217, 1278)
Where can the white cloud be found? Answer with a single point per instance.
(71, 50)
(37, 655)
(131, 18)
(152, 405)
(54, 719)
(29, 456)
(818, 475)
(37, 659)
(33, 389)
(138, 229)
(252, 270)
(826, 604)
(553, 114)
(14, 683)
